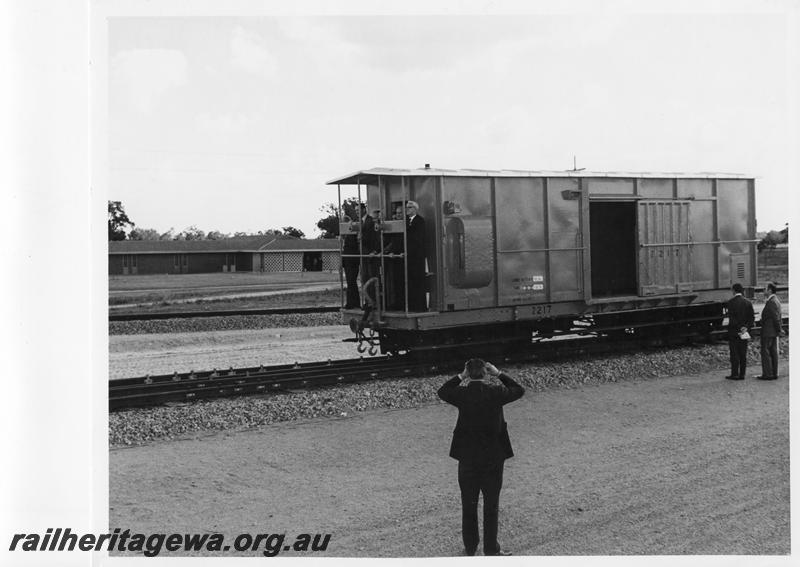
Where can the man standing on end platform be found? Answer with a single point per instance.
(481, 445)
(415, 257)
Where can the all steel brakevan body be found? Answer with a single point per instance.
(515, 253)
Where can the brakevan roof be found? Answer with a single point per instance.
(370, 175)
(269, 243)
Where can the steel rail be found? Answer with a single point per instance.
(192, 386)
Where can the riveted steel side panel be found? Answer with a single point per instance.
(467, 246)
(565, 239)
(695, 188)
(610, 186)
(703, 251)
(736, 230)
(702, 229)
(540, 254)
(521, 240)
(656, 188)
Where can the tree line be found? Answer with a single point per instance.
(773, 238)
(121, 227)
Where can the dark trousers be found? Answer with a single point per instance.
(351, 276)
(473, 479)
(769, 356)
(738, 348)
(417, 301)
(395, 285)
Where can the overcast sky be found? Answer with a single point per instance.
(235, 124)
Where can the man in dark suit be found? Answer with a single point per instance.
(351, 265)
(415, 255)
(481, 445)
(770, 331)
(740, 318)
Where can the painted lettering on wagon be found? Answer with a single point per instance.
(529, 283)
(543, 309)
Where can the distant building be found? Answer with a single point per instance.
(272, 253)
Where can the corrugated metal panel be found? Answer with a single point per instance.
(665, 251)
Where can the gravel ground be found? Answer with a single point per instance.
(141, 426)
(677, 465)
(206, 324)
(137, 355)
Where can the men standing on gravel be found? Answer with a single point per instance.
(480, 445)
(770, 331)
(740, 320)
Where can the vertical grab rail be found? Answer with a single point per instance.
(360, 245)
(339, 220)
(380, 290)
(405, 245)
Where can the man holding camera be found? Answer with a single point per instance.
(481, 445)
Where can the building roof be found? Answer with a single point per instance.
(288, 245)
(268, 243)
(369, 176)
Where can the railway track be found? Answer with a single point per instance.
(219, 313)
(192, 386)
(239, 312)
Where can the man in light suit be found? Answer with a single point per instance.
(481, 445)
(740, 317)
(770, 331)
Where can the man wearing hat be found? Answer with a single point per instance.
(415, 254)
(481, 445)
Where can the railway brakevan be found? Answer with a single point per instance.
(515, 255)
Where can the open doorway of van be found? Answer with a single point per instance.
(613, 227)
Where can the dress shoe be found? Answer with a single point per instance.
(734, 377)
(499, 553)
(469, 552)
(766, 377)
